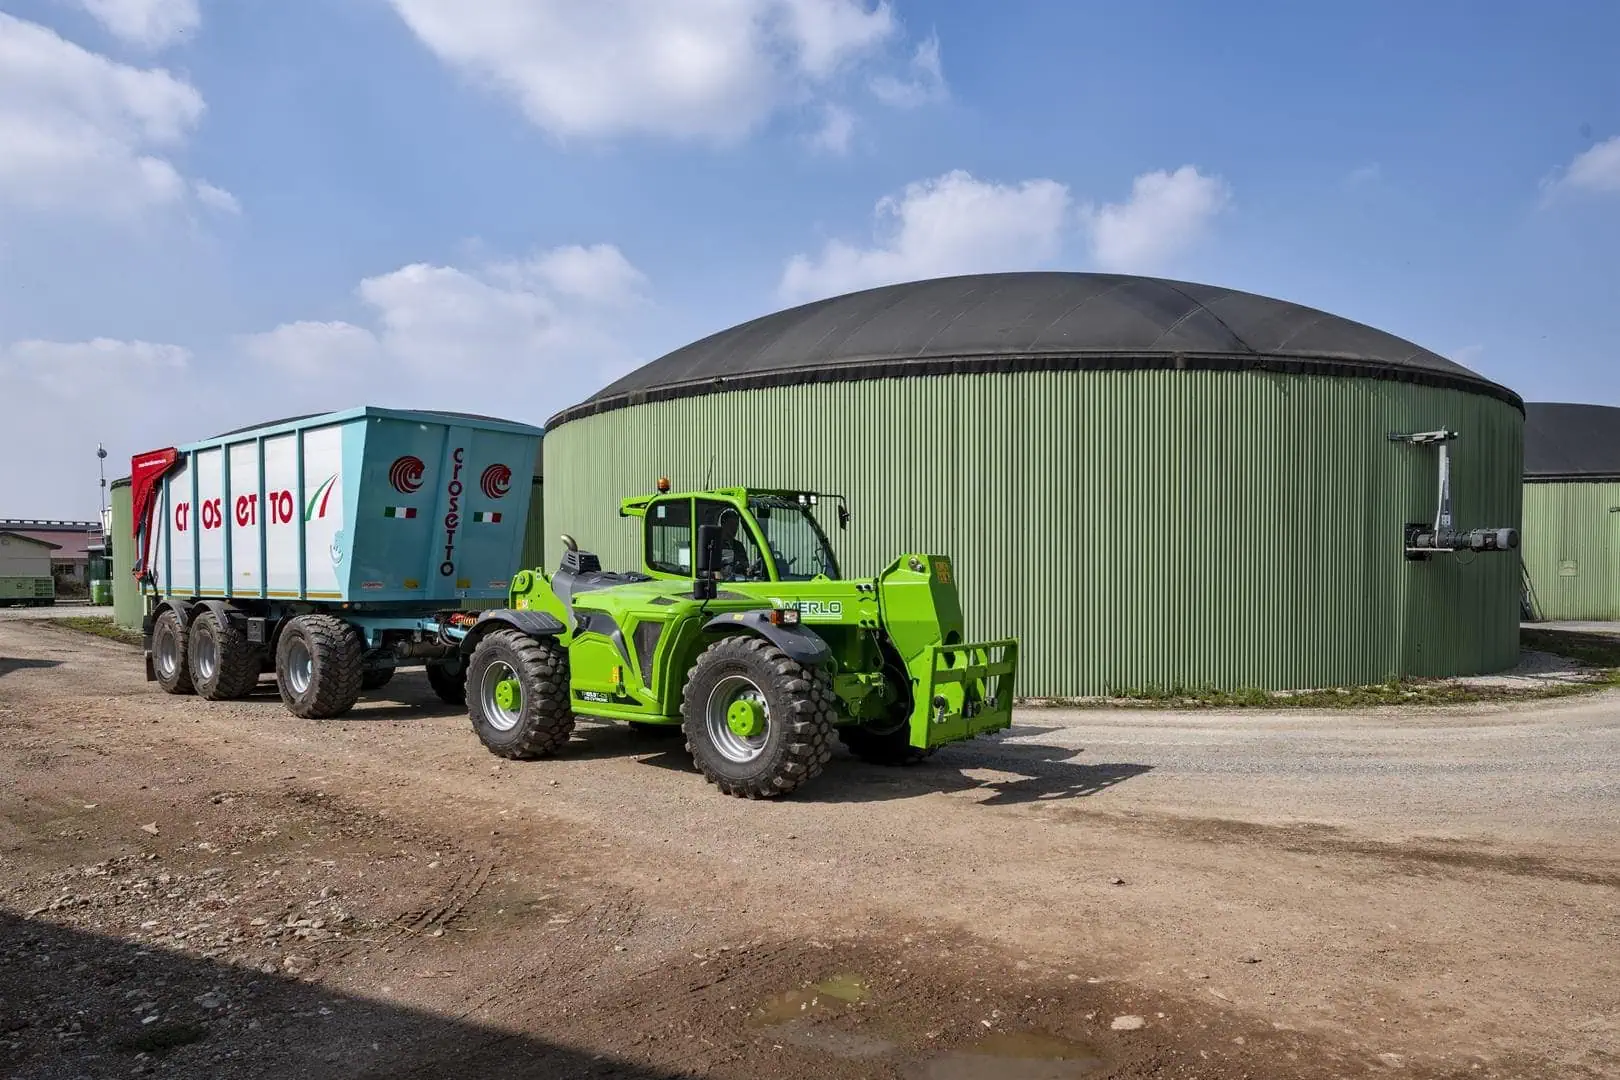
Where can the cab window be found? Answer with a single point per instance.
(738, 557)
(669, 537)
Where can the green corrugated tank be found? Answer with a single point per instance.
(1571, 536)
(126, 594)
(1153, 484)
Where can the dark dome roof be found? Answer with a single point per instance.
(1571, 442)
(1029, 322)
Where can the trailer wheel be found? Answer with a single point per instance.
(451, 686)
(376, 678)
(758, 723)
(223, 665)
(518, 700)
(169, 663)
(318, 666)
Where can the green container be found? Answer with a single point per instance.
(101, 592)
(1140, 519)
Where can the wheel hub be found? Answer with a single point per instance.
(745, 718)
(508, 694)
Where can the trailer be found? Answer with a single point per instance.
(329, 550)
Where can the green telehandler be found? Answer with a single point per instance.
(740, 630)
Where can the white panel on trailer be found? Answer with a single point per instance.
(323, 512)
(210, 521)
(180, 559)
(281, 518)
(244, 518)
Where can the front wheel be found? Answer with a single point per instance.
(758, 723)
(890, 745)
(518, 695)
(169, 661)
(449, 683)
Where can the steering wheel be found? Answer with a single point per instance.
(783, 563)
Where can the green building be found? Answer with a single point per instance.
(1571, 542)
(1154, 484)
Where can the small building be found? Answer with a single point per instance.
(1571, 535)
(25, 568)
(79, 557)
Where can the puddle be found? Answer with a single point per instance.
(826, 998)
(791, 1018)
(1019, 1055)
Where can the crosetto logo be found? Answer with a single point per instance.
(496, 481)
(452, 515)
(406, 474)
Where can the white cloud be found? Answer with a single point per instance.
(217, 198)
(924, 84)
(150, 24)
(836, 132)
(1594, 171)
(1167, 212)
(1364, 176)
(599, 274)
(952, 224)
(709, 70)
(86, 134)
(549, 327)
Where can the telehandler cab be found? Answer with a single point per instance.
(741, 629)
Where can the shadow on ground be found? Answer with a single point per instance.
(1030, 772)
(10, 664)
(74, 1004)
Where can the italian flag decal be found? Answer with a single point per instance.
(399, 511)
(486, 515)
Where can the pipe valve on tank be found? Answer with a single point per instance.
(1440, 536)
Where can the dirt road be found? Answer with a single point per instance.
(196, 889)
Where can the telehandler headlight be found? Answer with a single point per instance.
(785, 616)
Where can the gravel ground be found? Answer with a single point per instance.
(207, 889)
(60, 610)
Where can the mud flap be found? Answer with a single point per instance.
(967, 691)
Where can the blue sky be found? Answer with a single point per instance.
(218, 212)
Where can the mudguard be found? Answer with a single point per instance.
(805, 646)
(536, 624)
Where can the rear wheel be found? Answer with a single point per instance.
(376, 678)
(319, 667)
(223, 665)
(758, 723)
(169, 636)
(449, 683)
(518, 694)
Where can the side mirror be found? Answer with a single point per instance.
(708, 543)
(843, 516)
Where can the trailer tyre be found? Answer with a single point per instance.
(758, 723)
(169, 639)
(518, 695)
(223, 665)
(376, 678)
(450, 685)
(319, 666)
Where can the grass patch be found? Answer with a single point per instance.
(101, 626)
(1599, 653)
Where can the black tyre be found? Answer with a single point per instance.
(450, 684)
(758, 723)
(375, 678)
(889, 744)
(169, 639)
(319, 667)
(223, 665)
(518, 695)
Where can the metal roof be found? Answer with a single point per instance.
(1565, 441)
(1043, 321)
